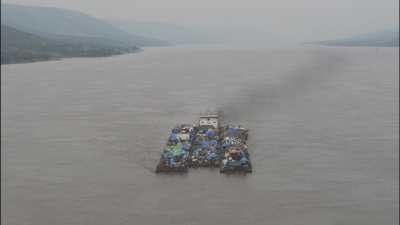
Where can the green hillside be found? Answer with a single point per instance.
(18, 47)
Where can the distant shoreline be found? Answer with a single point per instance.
(348, 45)
(352, 45)
(70, 57)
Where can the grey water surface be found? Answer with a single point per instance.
(81, 137)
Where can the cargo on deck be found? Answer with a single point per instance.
(175, 154)
(206, 144)
(205, 150)
(236, 157)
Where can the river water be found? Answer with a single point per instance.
(81, 137)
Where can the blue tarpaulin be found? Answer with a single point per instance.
(210, 133)
(243, 160)
(232, 130)
(185, 147)
(173, 137)
(211, 156)
(204, 143)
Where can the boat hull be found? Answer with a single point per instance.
(162, 168)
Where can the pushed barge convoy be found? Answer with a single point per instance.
(206, 144)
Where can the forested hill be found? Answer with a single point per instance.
(18, 46)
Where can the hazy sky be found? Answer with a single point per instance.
(302, 20)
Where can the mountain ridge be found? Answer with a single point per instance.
(49, 22)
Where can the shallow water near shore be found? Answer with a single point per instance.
(81, 137)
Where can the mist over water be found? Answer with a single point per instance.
(81, 137)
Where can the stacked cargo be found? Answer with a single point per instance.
(235, 154)
(205, 148)
(206, 144)
(175, 155)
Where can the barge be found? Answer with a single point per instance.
(175, 154)
(205, 151)
(236, 157)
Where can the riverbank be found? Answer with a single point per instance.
(48, 57)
